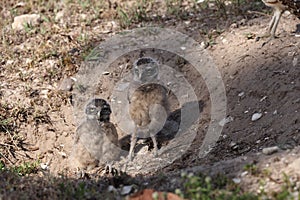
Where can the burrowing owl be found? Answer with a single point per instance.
(96, 140)
(148, 106)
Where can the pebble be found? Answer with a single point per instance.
(256, 116)
(126, 189)
(241, 94)
(111, 189)
(244, 173)
(295, 62)
(270, 150)
(236, 180)
(105, 73)
(21, 20)
(66, 84)
(44, 166)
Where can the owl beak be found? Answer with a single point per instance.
(140, 76)
(98, 115)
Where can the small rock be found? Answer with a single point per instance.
(44, 166)
(270, 150)
(224, 41)
(105, 73)
(204, 45)
(126, 189)
(241, 94)
(234, 25)
(233, 145)
(236, 180)
(295, 61)
(111, 188)
(20, 21)
(63, 154)
(264, 98)
(244, 173)
(256, 116)
(66, 84)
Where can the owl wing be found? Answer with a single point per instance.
(158, 116)
(110, 148)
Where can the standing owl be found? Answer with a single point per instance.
(96, 140)
(148, 106)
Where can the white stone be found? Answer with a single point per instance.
(22, 20)
(241, 94)
(295, 61)
(236, 180)
(270, 150)
(244, 173)
(111, 188)
(44, 166)
(256, 116)
(126, 189)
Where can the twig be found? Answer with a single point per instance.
(6, 158)
(256, 12)
(9, 145)
(11, 154)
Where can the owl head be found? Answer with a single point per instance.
(98, 109)
(145, 70)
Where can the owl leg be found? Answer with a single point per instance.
(274, 22)
(154, 145)
(273, 26)
(132, 144)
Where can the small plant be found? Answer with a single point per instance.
(26, 168)
(252, 169)
(288, 190)
(124, 19)
(173, 7)
(28, 27)
(201, 187)
(2, 166)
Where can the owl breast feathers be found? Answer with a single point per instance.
(143, 103)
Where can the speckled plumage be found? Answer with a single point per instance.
(148, 106)
(96, 139)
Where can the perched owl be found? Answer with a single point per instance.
(96, 140)
(148, 106)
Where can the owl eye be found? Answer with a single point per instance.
(92, 109)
